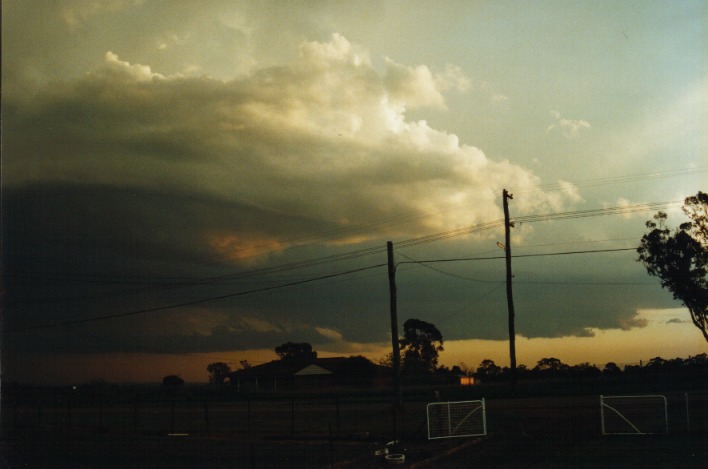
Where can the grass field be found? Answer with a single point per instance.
(116, 429)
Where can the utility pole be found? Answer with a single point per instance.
(396, 354)
(509, 295)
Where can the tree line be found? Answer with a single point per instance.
(552, 367)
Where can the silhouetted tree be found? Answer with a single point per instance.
(244, 364)
(172, 380)
(218, 372)
(463, 369)
(680, 259)
(296, 351)
(697, 360)
(611, 369)
(386, 360)
(656, 363)
(521, 371)
(550, 367)
(585, 370)
(421, 344)
(488, 369)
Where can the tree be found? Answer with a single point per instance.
(680, 259)
(488, 369)
(585, 369)
(611, 369)
(296, 351)
(386, 361)
(698, 360)
(550, 366)
(421, 343)
(656, 363)
(172, 380)
(464, 369)
(218, 372)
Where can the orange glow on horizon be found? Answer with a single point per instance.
(668, 334)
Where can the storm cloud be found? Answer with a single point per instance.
(179, 189)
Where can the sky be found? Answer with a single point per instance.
(186, 182)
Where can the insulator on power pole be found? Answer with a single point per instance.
(509, 295)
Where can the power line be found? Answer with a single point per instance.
(189, 303)
(476, 300)
(266, 271)
(417, 214)
(290, 284)
(565, 253)
(426, 263)
(175, 282)
(623, 179)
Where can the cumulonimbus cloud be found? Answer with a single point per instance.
(325, 138)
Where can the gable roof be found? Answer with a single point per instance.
(311, 370)
(322, 366)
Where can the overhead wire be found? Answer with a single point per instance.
(274, 287)
(187, 303)
(382, 221)
(240, 276)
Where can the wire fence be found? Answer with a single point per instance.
(183, 414)
(123, 427)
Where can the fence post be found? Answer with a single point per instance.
(331, 446)
(15, 411)
(248, 410)
(292, 417)
(135, 412)
(172, 415)
(68, 411)
(100, 411)
(339, 422)
(206, 416)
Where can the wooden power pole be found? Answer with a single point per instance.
(396, 353)
(509, 295)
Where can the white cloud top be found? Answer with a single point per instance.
(326, 138)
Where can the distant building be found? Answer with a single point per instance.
(315, 373)
(468, 380)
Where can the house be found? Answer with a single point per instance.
(468, 380)
(313, 373)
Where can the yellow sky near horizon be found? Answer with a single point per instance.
(668, 334)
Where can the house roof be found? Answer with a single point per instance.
(313, 369)
(321, 366)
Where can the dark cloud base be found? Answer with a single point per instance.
(77, 252)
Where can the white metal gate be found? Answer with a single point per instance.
(634, 415)
(456, 419)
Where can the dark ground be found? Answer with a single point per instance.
(523, 432)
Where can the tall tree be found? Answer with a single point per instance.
(488, 369)
(218, 372)
(296, 351)
(680, 257)
(421, 344)
(550, 366)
